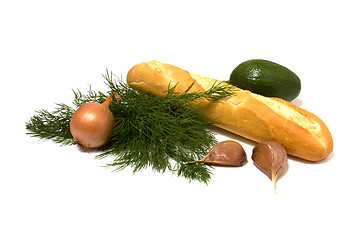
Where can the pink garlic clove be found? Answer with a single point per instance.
(271, 158)
(227, 153)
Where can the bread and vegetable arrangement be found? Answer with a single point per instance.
(161, 119)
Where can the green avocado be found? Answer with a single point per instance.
(266, 78)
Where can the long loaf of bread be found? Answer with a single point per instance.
(250, 115)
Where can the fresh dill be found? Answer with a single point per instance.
(52, 125)
(162, 133)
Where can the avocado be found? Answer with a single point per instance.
(266, 78)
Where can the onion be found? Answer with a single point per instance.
(92, 124)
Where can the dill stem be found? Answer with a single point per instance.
(198, 161)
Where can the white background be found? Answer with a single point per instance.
(48, 48)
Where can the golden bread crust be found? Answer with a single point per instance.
(250, 115)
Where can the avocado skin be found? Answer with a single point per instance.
(266, 78)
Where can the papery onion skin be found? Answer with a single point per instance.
(92, 124)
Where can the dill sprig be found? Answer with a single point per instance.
(55, 125)
(162, 133)
(217, 91)
(52, 125)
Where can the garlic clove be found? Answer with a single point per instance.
(227, 153)
(271, 158)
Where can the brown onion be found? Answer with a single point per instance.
(92, 124)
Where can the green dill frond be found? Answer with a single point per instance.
(52, 125)
(162, 133)
(90, 96)
(195, 172)
(159, 132)
(217, 91)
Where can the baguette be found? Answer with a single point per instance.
(247, 114)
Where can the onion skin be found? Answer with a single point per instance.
(92, 124)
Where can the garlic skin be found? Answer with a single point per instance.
(271, 158)
(227, 153)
